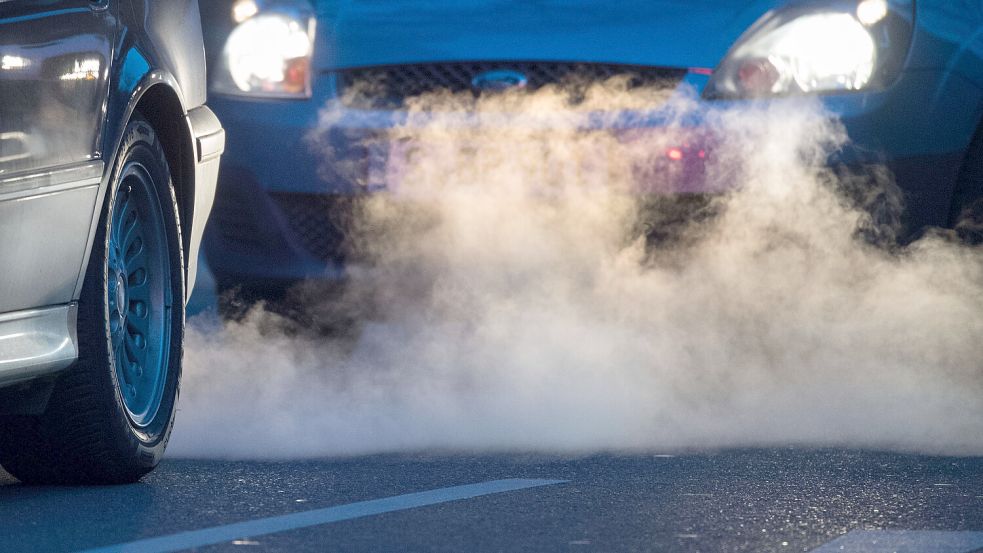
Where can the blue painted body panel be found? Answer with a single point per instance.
(670, 33)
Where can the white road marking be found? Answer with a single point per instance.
(904, 541)
(272, 525)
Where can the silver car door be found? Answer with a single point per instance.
(54, 68)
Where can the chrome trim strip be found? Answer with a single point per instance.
(37, 342)
(54, 180)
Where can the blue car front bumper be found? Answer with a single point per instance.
(280, 210)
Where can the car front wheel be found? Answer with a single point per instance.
(110, 415)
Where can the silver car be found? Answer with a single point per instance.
(108, 163)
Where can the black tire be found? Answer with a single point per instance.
(87, 434)
(966, 216)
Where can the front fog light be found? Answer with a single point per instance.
(269, 55)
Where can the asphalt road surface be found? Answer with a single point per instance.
(747, 500)
(764, 500)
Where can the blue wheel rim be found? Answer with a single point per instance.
(139, 295)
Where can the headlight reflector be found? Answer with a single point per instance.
(832, 47)
(871, 12)
(269, 55)
(244, 9)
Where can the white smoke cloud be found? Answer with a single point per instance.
(509, 301)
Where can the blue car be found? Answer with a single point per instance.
(905, 78)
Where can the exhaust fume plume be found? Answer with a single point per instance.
(526, 283)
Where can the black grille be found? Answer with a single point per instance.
(390, 86)
(321, 222)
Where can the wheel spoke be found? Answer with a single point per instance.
(138, 308)
(139, 287)
(129, 231)
(123, 222)
(117, 335)
(138, 259)
(135, 253)
(138, 325)
(122, 362)
(137, 355)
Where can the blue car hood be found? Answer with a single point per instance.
(668, 33)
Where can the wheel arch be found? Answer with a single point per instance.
(158, 98)
(162, 108)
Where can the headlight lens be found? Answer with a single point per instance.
(829, 47)
(269, 53)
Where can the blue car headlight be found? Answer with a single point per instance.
(268, 53)
(817, 47)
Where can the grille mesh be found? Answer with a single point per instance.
(319, 221)
(390, 86)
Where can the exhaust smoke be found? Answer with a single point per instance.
(527, 284)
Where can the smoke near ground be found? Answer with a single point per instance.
(517, 291)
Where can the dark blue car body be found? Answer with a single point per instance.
(272, 217)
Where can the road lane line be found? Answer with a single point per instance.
(317, 517)
(904, 541)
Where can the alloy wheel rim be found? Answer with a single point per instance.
(139, 295)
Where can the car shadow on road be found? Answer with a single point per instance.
(73, 518)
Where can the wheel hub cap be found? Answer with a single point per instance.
(120, 296)
(139, 295)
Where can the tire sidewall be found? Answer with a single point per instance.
(141, 145)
